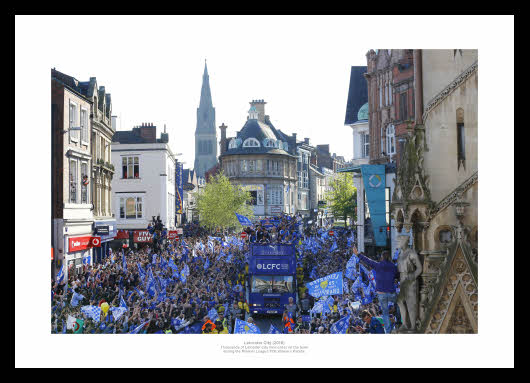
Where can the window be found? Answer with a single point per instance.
(131, 207)
(445, 236)
(403, 110)
(460, 138)
(74, 134)
(243, 165)
(251, 142)
(232, 144)
(130, 167)
(251, 166)
(268, 142)
(390, 139)
(275, 195)
(73, 181)
(84, 183)
(365, 140)
(84, 126)
(253, 197)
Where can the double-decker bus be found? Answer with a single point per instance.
(272, 277)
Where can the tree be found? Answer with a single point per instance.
(342, 198)
(218, 202)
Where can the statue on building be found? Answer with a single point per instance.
(410, 268)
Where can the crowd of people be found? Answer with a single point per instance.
(198, 283)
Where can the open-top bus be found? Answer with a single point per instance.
(272, 277)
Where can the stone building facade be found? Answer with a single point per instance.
(102, 131)
(72, 216)
(435, 198)
(262, 159)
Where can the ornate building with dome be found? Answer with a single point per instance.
(263, 159)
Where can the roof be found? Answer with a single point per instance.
(357, 94)
(259, 130)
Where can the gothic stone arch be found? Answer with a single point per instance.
(455, 309)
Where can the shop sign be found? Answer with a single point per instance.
(172, 234)
(142, 236)
(83, 243)
(104, 230)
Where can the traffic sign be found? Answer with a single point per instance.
(331, 232)
(243, 235)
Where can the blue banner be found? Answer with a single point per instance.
(179, 190)
(328, 285)
(374, 185)
(244, 221)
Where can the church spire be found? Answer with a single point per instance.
(206, 96)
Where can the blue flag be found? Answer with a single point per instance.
(213, 314)
(333, 247)
(340, 326)
(139, 328)
(92, 312)
(242, 327)
(329, 285)
(207, 264)
(351, 267)
(124, 261)
(141, 271)
(60, 275)
(273, 330)
(244, 221)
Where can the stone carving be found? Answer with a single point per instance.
(449, 89)
(412, 191)
(410, 268)
(459, 274)
(454, 196)
(459, 322)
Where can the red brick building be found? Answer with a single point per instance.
(390, 81)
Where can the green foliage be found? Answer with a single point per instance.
(342, 199)
(218, 202)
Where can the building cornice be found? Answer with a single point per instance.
(460, 79)
(78, 154)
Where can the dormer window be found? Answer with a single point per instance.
(251, 143)
(232, 144)
(268, 143)
(253, 113)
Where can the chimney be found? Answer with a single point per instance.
(306, 141)
(260, 107)
(294, 138)
(223, 138)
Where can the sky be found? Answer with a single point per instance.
(153, 65)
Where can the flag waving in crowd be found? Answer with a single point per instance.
(242, 327)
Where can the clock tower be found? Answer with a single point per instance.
(205, 132)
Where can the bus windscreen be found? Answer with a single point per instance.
(272, 284)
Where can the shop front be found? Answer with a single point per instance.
(141, 238)
(106, 230)
(79, 251)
